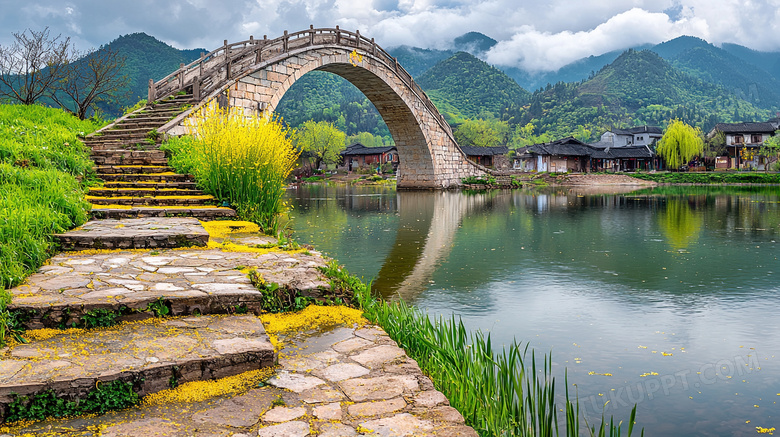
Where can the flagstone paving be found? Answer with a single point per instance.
(344, 381)
(188, 281)
(147, 355)
(150, 232)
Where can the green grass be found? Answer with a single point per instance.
(43, 171)
(710, 177)
(507, 392)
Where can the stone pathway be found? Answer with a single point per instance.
(140, 233)
(340, 382)
(148, 355)
(189, 281)
(138, 180)
(343, 381)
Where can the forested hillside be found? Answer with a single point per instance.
(638, 88)
(463, 86)
(322, 96)
(146, 58)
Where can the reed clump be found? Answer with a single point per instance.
(507, 392)
(240, 159)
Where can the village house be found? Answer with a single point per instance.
(631, 137)
(358, 156)
(560, 156)
(742, 143)
(572, 155)
(491, 157)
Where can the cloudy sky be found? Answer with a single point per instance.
(533, 35)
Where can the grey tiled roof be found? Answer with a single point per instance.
(484, 151)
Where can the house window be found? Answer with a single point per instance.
(756, 138)
(738, 139)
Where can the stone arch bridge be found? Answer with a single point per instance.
(259, 72)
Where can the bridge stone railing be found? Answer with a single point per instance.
(215, 69)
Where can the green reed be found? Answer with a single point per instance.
(507, 393)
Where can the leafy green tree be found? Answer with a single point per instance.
(369, 140)
(771, 150)
(680, 143)
(526, 136)
(483, 133)
(320, 141)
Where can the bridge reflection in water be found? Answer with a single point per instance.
(428, 224)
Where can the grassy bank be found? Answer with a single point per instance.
(43, 169)
(710, 178)
(500, 393)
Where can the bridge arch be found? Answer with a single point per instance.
(259, 72)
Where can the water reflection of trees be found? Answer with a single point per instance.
(630, 242)
(679, 223)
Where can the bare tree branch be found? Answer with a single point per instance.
(95, 77)
(32, 65)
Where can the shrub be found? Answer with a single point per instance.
(243, 160)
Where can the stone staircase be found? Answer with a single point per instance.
(141, 189)
(138, 181)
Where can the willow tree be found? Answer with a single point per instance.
(680, 144)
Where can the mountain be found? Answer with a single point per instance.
(638, 88)
(768, 61)
(146, 58)
(464, 86)
(416, 60)
(752, 75)
(715, 65)
(474, 43)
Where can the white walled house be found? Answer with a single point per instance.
(631, 137)
(742, 138)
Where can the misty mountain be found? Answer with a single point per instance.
(464, 86)
(638, 88)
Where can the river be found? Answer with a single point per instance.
(663, 297)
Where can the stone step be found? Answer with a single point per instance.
(203, 212)
(122, 145)
(187, 281)
(144, 233)
(120, 153)
(147, 355)
(151, 185)
(126, 130)
(154, 177)
(133, 169)
(129, 157)
(154, 199)
(142, 192)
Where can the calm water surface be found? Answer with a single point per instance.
(673, 292)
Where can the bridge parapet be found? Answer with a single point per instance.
(214, 69)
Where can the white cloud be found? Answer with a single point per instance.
(534, 50)
(532, 34)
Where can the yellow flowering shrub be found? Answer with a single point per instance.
(240, 159)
